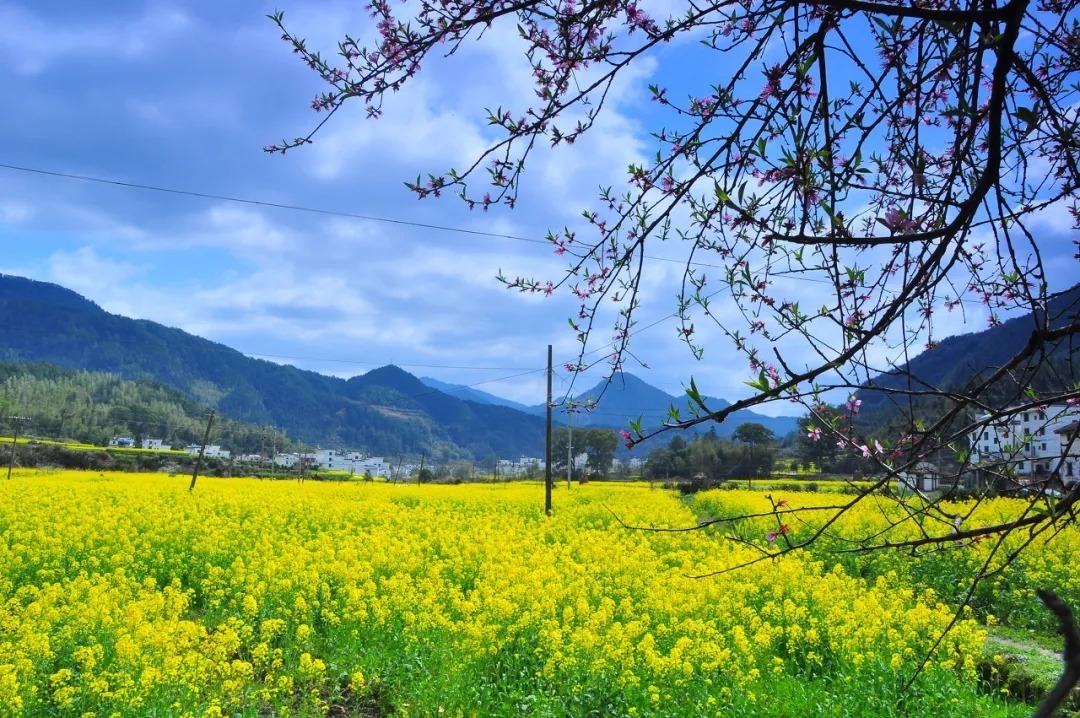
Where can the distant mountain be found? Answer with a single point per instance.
(467, 392)
(960, 361)
(386, 411)
(955, 361)
(628, 397)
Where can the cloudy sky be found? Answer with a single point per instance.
(183, 96)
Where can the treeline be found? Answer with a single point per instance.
(708, 458)
(93, 408)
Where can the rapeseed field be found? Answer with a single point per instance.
(126, 595)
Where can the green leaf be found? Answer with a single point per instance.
(1027, 116)
(693, 393)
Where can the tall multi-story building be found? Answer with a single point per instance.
(1032, 442)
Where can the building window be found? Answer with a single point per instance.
(1041, 431)
(1027, 431)
(1025, 416)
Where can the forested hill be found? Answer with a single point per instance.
(93, 408)
(381, 412)
(958, 360)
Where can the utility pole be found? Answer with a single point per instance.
(547, 462)
(273, 450)
(300, 472)
(202, 450)
(18, 420)
(569, 442)
(420, 474)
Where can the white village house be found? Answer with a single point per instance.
(1031, 442)
(922, 477)
(520, 467)
(1069, 467)
(212, 450)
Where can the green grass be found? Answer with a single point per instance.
(1021, 665)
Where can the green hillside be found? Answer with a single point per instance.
(45, 322)
(92, 408)
(964, 361)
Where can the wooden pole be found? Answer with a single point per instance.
(202, 450)
(300, 471)
(547, 463)
(569, 444)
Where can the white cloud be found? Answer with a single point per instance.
(16, 211)
(85, 271)
(33, 43)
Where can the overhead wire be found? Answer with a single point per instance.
(356, 216)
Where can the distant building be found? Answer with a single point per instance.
(1031, 443)
(122, 442)
(212, 450)
(287, 461)
(520, 466)
(330, 460)
(922, 477)
(156, 444)
(1069, 464)
(376, 465)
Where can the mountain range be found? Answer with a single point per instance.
(389, 411)
(385, 411)
(625, 398)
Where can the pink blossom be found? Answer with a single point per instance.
(773, 535)
(814, 434)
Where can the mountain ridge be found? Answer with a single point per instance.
(957, 359)
(311, 407)
(628, 397)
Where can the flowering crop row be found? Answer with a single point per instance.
(126, 595)
(1015, 566)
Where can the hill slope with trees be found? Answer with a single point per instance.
(386, 411)
(92, 408)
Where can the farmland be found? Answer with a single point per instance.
(127, 595)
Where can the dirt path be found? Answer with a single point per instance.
(1024, 647)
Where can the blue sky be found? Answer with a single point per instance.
(185, 95)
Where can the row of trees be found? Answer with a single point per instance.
(708, 458)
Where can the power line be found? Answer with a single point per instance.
(299, 208)
(353, 215)
(266, 203)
